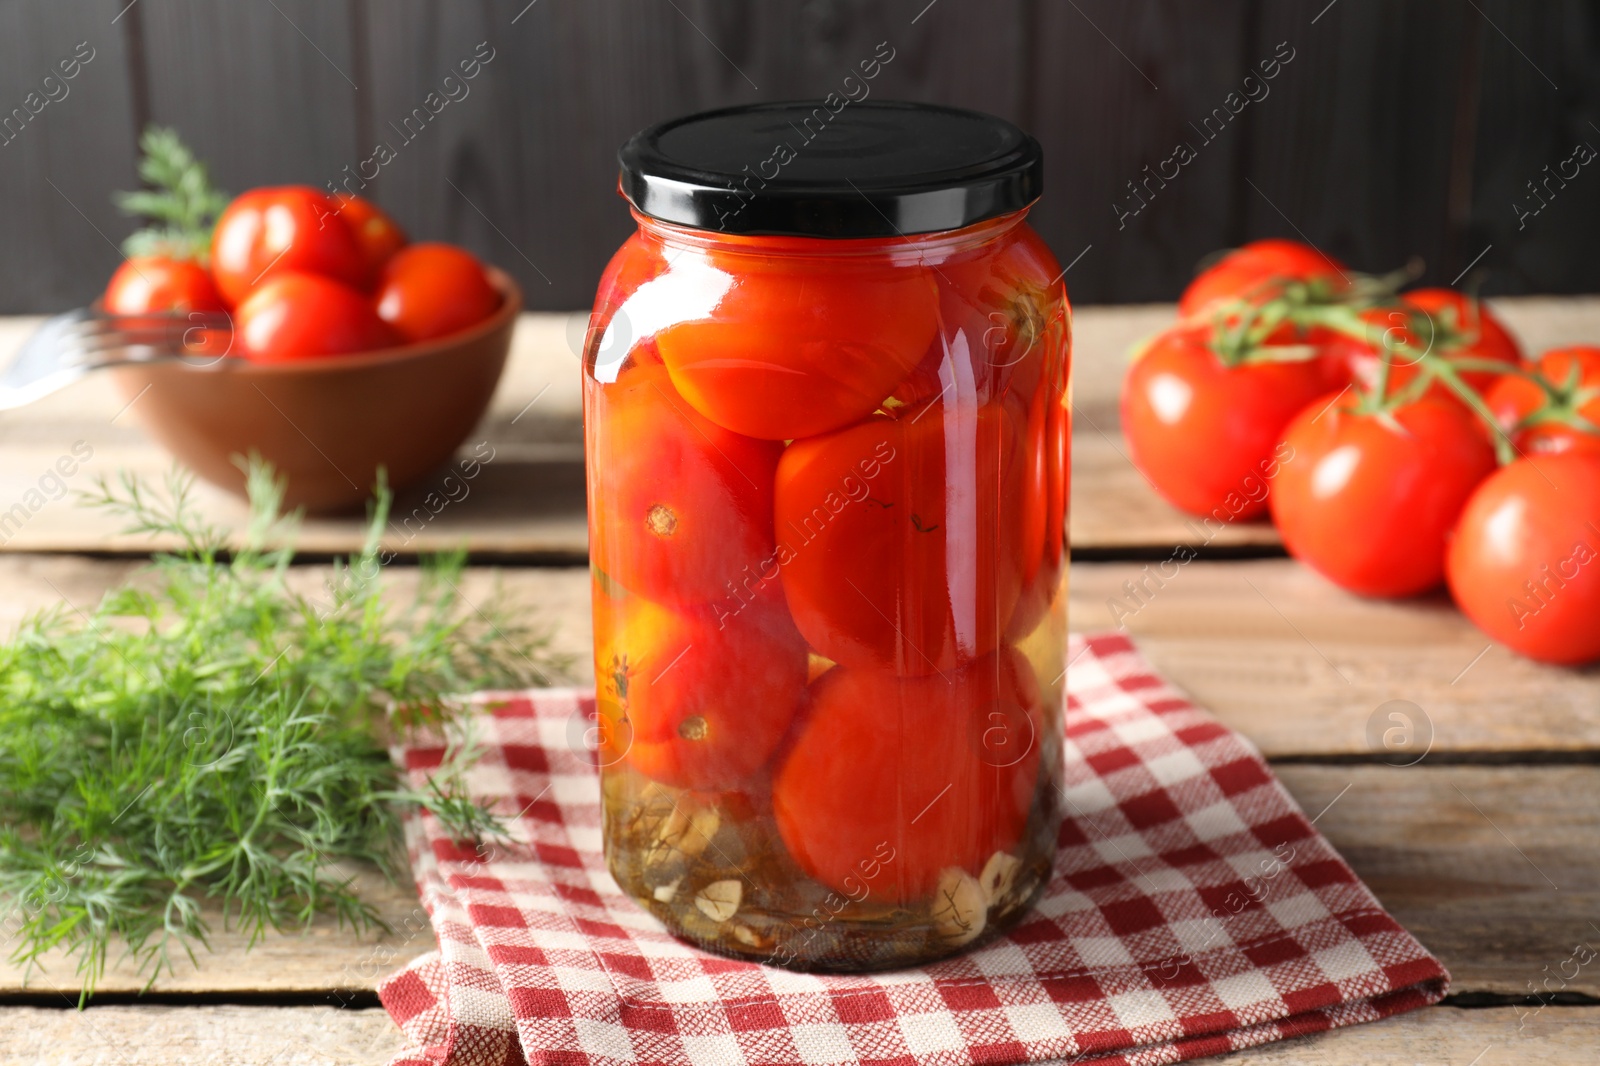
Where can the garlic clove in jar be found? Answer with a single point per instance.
(959, 908)
(999, 876)
(720, 900)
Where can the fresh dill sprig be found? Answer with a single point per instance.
(180, 206)
(215, 729)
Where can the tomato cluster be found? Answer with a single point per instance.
(827, 488)
(301, 275)
(1398, 441)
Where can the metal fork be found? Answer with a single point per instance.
(70, 345)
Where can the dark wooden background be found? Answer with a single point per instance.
(1401, 127)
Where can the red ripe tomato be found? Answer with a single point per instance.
(304, 316)
(1204, 434)
(1524, 563)
(900, 542)
(693, 698)
(279, 230)
(1461, 326)
(793, 345)
(679, 507)
(1575, 374)
(165, 286)
(433, 290)
(161, 283)
(1256, 273)
(378, 235)
(1367, 501)
(1433, 321)
(906, 771)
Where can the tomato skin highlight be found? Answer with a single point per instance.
(889, 557)
(433, 290)
(307, 316)
(797, 345)
(697, 698)
(908, 763)
(680, 506)
(378, 235)
(1205, 435)
(1369, 505)
(1524, 563)
(282, 229)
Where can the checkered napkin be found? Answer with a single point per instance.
(1194, 911)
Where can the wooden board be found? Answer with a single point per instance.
(659, 61)
(1358, 97)
(328, 1036)
(57, 169)
(266, 93)
(1399, 129)
(1434, 841)
(1539, 101)
(1299, 667)
(1115, 90)
(1305, 669)
(528, 503)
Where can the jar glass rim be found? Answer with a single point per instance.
(914, 246)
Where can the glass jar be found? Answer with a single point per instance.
(826, 428)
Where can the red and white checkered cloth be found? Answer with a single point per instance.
(1194, 911)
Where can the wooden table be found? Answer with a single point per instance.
(1488, 849)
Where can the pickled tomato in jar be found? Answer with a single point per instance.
(827, 440)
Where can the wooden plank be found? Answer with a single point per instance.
(198, 1036)
(1265, 645)
(1115, 87)
(1359, 96)
(1304, 668)
(1493, 869)
(1540, 101)
(265, 93)
(535, 182)
(1435, 842)
(178, 1036)
(64, 145)
(529, 500)
(327, 1036)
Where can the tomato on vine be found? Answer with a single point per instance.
(1259, 271)
(1373, 489)
(1555, 407)
(1437, 322)
(1203, 426)
(1524, 563)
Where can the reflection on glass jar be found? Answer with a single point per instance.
(827, 472)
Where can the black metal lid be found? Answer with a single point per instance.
(871, 169)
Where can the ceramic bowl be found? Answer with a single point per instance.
(328, 424)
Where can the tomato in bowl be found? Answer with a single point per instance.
(316, 338)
